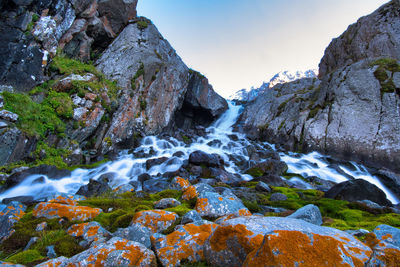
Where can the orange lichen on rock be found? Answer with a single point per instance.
(371, 240)
(186, 243)
(201, 204)
(155, 220)
(190, 193)
(247, 239)
(55, 210)
(68, 200)
(389, 256)
(294, 248)
(183, 183)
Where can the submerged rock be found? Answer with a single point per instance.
(357, 190)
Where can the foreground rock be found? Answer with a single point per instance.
(155, 220)
(357, 190)
(115, 252)
(9, 215)
(60, 208)
(309, 213)
(92, 232)
(385, 242)
(252, 241)
(185, 243)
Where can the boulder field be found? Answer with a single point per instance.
(351, 110)
(125, 229)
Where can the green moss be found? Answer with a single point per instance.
(289, 192)
(53, 156)
(34, 119)
(69, 66)
(171, 229)
(180, 210)
(26, 257)
(186, 263)
(389, 64)
(282, 124)
(169, 193)
(386, 81)
(251, 205)
(351, 215)
(255, 172)
(142, 25)
(114, 220)
(67, 246)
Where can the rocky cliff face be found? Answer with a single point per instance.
(32, 30)
(140, 87)
(352, 111)
(376, 35)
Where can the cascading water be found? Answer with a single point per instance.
(219, 139)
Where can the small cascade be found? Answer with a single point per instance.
(219, 139)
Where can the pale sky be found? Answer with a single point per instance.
(241, 43)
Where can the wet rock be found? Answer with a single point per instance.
(201, 158)
(385, 242)
(390, 179)
(268, 167)
(153, 162)
(278, 197)
(309, 213)
(155, 185)
(156, 220)
(225, 177)
(356, 190)
(370, 204)
(166, 203)
(135, 232)
(93, 188)
(213, 205)
(115, 252)
(9, 215)
(26, 200)
(242, 240)
(320, 184)
(263, 187)
(51, 171)
(191, 217)
(185, 243)
(52, 210)
(92, 232)
(144, 177)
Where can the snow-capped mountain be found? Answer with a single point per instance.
(281, 77)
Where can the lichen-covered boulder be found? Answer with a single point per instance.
(179, 183)
(166, 203)
(156, 220)
(244, 240)
(213, 205)
(190, 193)
(135, 232)
(385, 242)
(9, 264)
(56, 209)
(185, 243)
(309, 213)
(91, 232)
(9, 215)
(115, 252)
(67, 199)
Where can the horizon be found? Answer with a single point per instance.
(237, 54)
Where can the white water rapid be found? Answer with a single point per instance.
(219, 139)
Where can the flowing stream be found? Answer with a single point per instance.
(219, 139)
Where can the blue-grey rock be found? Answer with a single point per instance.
(387, 249)
(190, 217)
(51, 253)
(214, 205)
(136, 232)
(32, 241)
(9, 215)
(166, 203)
(202, 187)
(309, 213)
